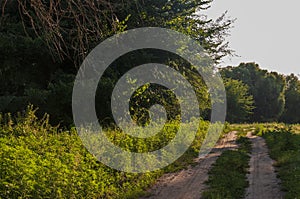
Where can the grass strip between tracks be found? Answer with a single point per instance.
(228, 176)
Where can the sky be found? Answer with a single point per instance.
(265, 31)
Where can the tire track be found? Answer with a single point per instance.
(190, 183)
(263, 183)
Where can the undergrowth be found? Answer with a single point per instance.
(38, 160)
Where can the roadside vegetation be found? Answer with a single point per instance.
(284, 147)
(227, 177)
(38, 160)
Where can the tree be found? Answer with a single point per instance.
(72, 28)
(239, 101)
(292, 100)
(184, 16)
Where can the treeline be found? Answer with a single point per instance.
(42, 44)
(257, 95)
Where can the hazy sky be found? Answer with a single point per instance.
(265, 31)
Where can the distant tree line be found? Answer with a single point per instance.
(42, 44)
(256, 95)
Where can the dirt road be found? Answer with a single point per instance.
(189, 183)
(262, 177)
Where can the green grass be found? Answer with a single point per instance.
(284, 147)
(227, 178)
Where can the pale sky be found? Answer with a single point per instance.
(265, 31)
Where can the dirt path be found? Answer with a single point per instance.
(262, 177)
(189, 183)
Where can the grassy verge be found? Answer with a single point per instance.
(284, 147)
(227, 178)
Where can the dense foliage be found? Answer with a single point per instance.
(44, 42)
(41, 51)
(39, 161)
(274, 95)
